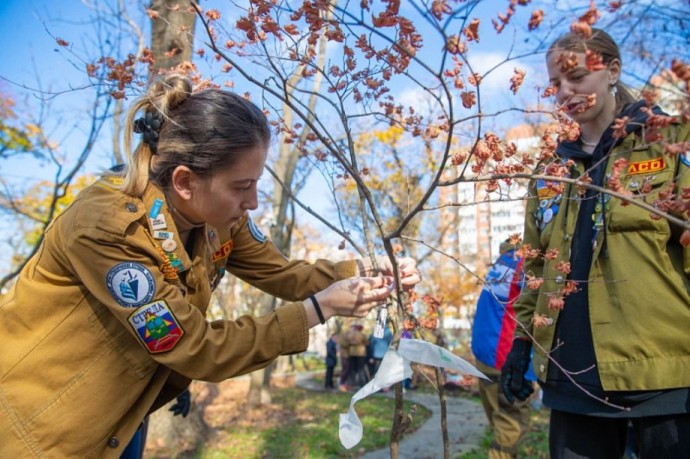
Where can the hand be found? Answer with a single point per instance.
(183, 404)
(354, 297)
(409, 274)
(513, 382)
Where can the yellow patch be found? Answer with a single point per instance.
(645, 167)
(223, 252)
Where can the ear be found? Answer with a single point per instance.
(614, 71)
(183, 182)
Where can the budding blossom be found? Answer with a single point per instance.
(472, 31)
(533, 283)
(563, 266)
(549, 91)
(551, 254)
(469, 98)
(567, 61)
(527, 252)
(592, 14)
(619, 127)
(535, 20)
(540, 320)
(516, 80)
(594, 61)
(555, 302)
(570, 287)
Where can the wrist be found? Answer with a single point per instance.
(318, 311)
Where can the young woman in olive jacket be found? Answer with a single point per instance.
(107, 322)
(614, 349)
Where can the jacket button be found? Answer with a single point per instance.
(559, 279)
(566, 237)
(542, 369)
(113, 443)
(131, 207)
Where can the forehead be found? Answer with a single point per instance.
(248, 166)
(561, 61)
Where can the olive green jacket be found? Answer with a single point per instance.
(639, 300)
(107, 321)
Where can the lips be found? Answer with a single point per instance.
(575, 107)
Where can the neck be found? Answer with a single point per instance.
(591, 131)
(183, 224)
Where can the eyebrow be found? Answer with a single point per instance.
(244, 181)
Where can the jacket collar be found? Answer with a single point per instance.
(637, 119)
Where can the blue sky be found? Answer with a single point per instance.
(30, 56)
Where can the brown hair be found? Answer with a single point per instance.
(602, 43)
(206, 131)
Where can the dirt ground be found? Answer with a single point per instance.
(220, 405)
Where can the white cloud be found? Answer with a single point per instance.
(501, 70)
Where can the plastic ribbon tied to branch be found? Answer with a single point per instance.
(394, 368)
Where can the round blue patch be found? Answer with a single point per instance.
(131, 284)
(255, 231)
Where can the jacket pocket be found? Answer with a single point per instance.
(628, 216)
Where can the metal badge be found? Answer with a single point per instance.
(169, 245)
(156, 208)
(159, 223)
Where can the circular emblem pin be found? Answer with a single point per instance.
(169, 245)
(131, 284)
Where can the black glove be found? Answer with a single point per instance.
(513, 382)
(184, 402)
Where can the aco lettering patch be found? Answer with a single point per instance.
(156, 326)
(223, 252)
(255, 231)
(646, 167)
(131, 284)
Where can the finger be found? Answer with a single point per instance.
(525, 391)
(411, 279)
(517, 382)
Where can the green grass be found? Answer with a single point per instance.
(535, 445)
(308, 428)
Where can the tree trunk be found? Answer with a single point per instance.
(172, 34)
(173, 435)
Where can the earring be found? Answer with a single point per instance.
(614, 89)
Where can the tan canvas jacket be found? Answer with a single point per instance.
(107, 322)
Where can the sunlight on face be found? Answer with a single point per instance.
(583, 94)
(222, 199)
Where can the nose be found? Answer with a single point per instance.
(565, 91)
(252, 202)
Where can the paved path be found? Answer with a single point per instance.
(466, 426)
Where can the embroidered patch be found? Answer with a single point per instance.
(255, 231)
(131, 284)
(546, 189)
(645, 167)
(156, 326)
(223, 252)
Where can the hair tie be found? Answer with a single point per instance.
(149, 126)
